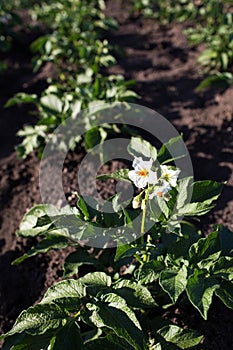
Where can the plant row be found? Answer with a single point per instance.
(79, 55)
(210, 23)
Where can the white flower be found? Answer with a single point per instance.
(169, 175)
(142, 175)
(161, 191)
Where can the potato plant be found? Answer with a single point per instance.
(167, 262)
(75, 45)
(8, 21)
(210, 23)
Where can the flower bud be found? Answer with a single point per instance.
(143, 205)
(136, 202)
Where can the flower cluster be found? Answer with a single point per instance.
(143, 176)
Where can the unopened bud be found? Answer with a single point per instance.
(143, 205)
(136, 203)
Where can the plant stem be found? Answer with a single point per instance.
(144, 214)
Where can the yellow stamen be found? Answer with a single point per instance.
(143, 172)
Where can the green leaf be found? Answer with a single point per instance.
(39, 319)
(195, 209)
(141, 148)
(83, 206)
(21, 97)
(124, 250)
(184, 190)
(149, 272)
(183, 338)
(118, 204)
(200, 291)
(225, 293)
(95, 282)
(226, 240)
(78, 258)
(92, 138)
(52, 103)
(34, 136)
(24, 341)
(219, 79)
(135, 294)
(204, 248)
(207, 264)
(180, 248)
(174, 282)
(118, 175)
(51, 242)
(223, 268)
(198, 199)
(29, 227)
(68, 338)
(111, 341)
(163, 206)
(66, 293)
(172, 150)
(206, 191)
(112, 312)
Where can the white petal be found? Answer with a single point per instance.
(132, 175)
(141, 182)
(136, 163)
(152, 177)
(164, 169)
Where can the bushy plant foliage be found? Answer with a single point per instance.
(76, 46)
(210, 23)
(168, 262)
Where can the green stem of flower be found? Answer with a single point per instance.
(144, 214)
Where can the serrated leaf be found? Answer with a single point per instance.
(174, 282)
(141, 148)
(39, 319)
(200, 290)
(225, 293)
(135, 294)
(183, 338)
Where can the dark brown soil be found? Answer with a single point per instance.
(166, 74)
